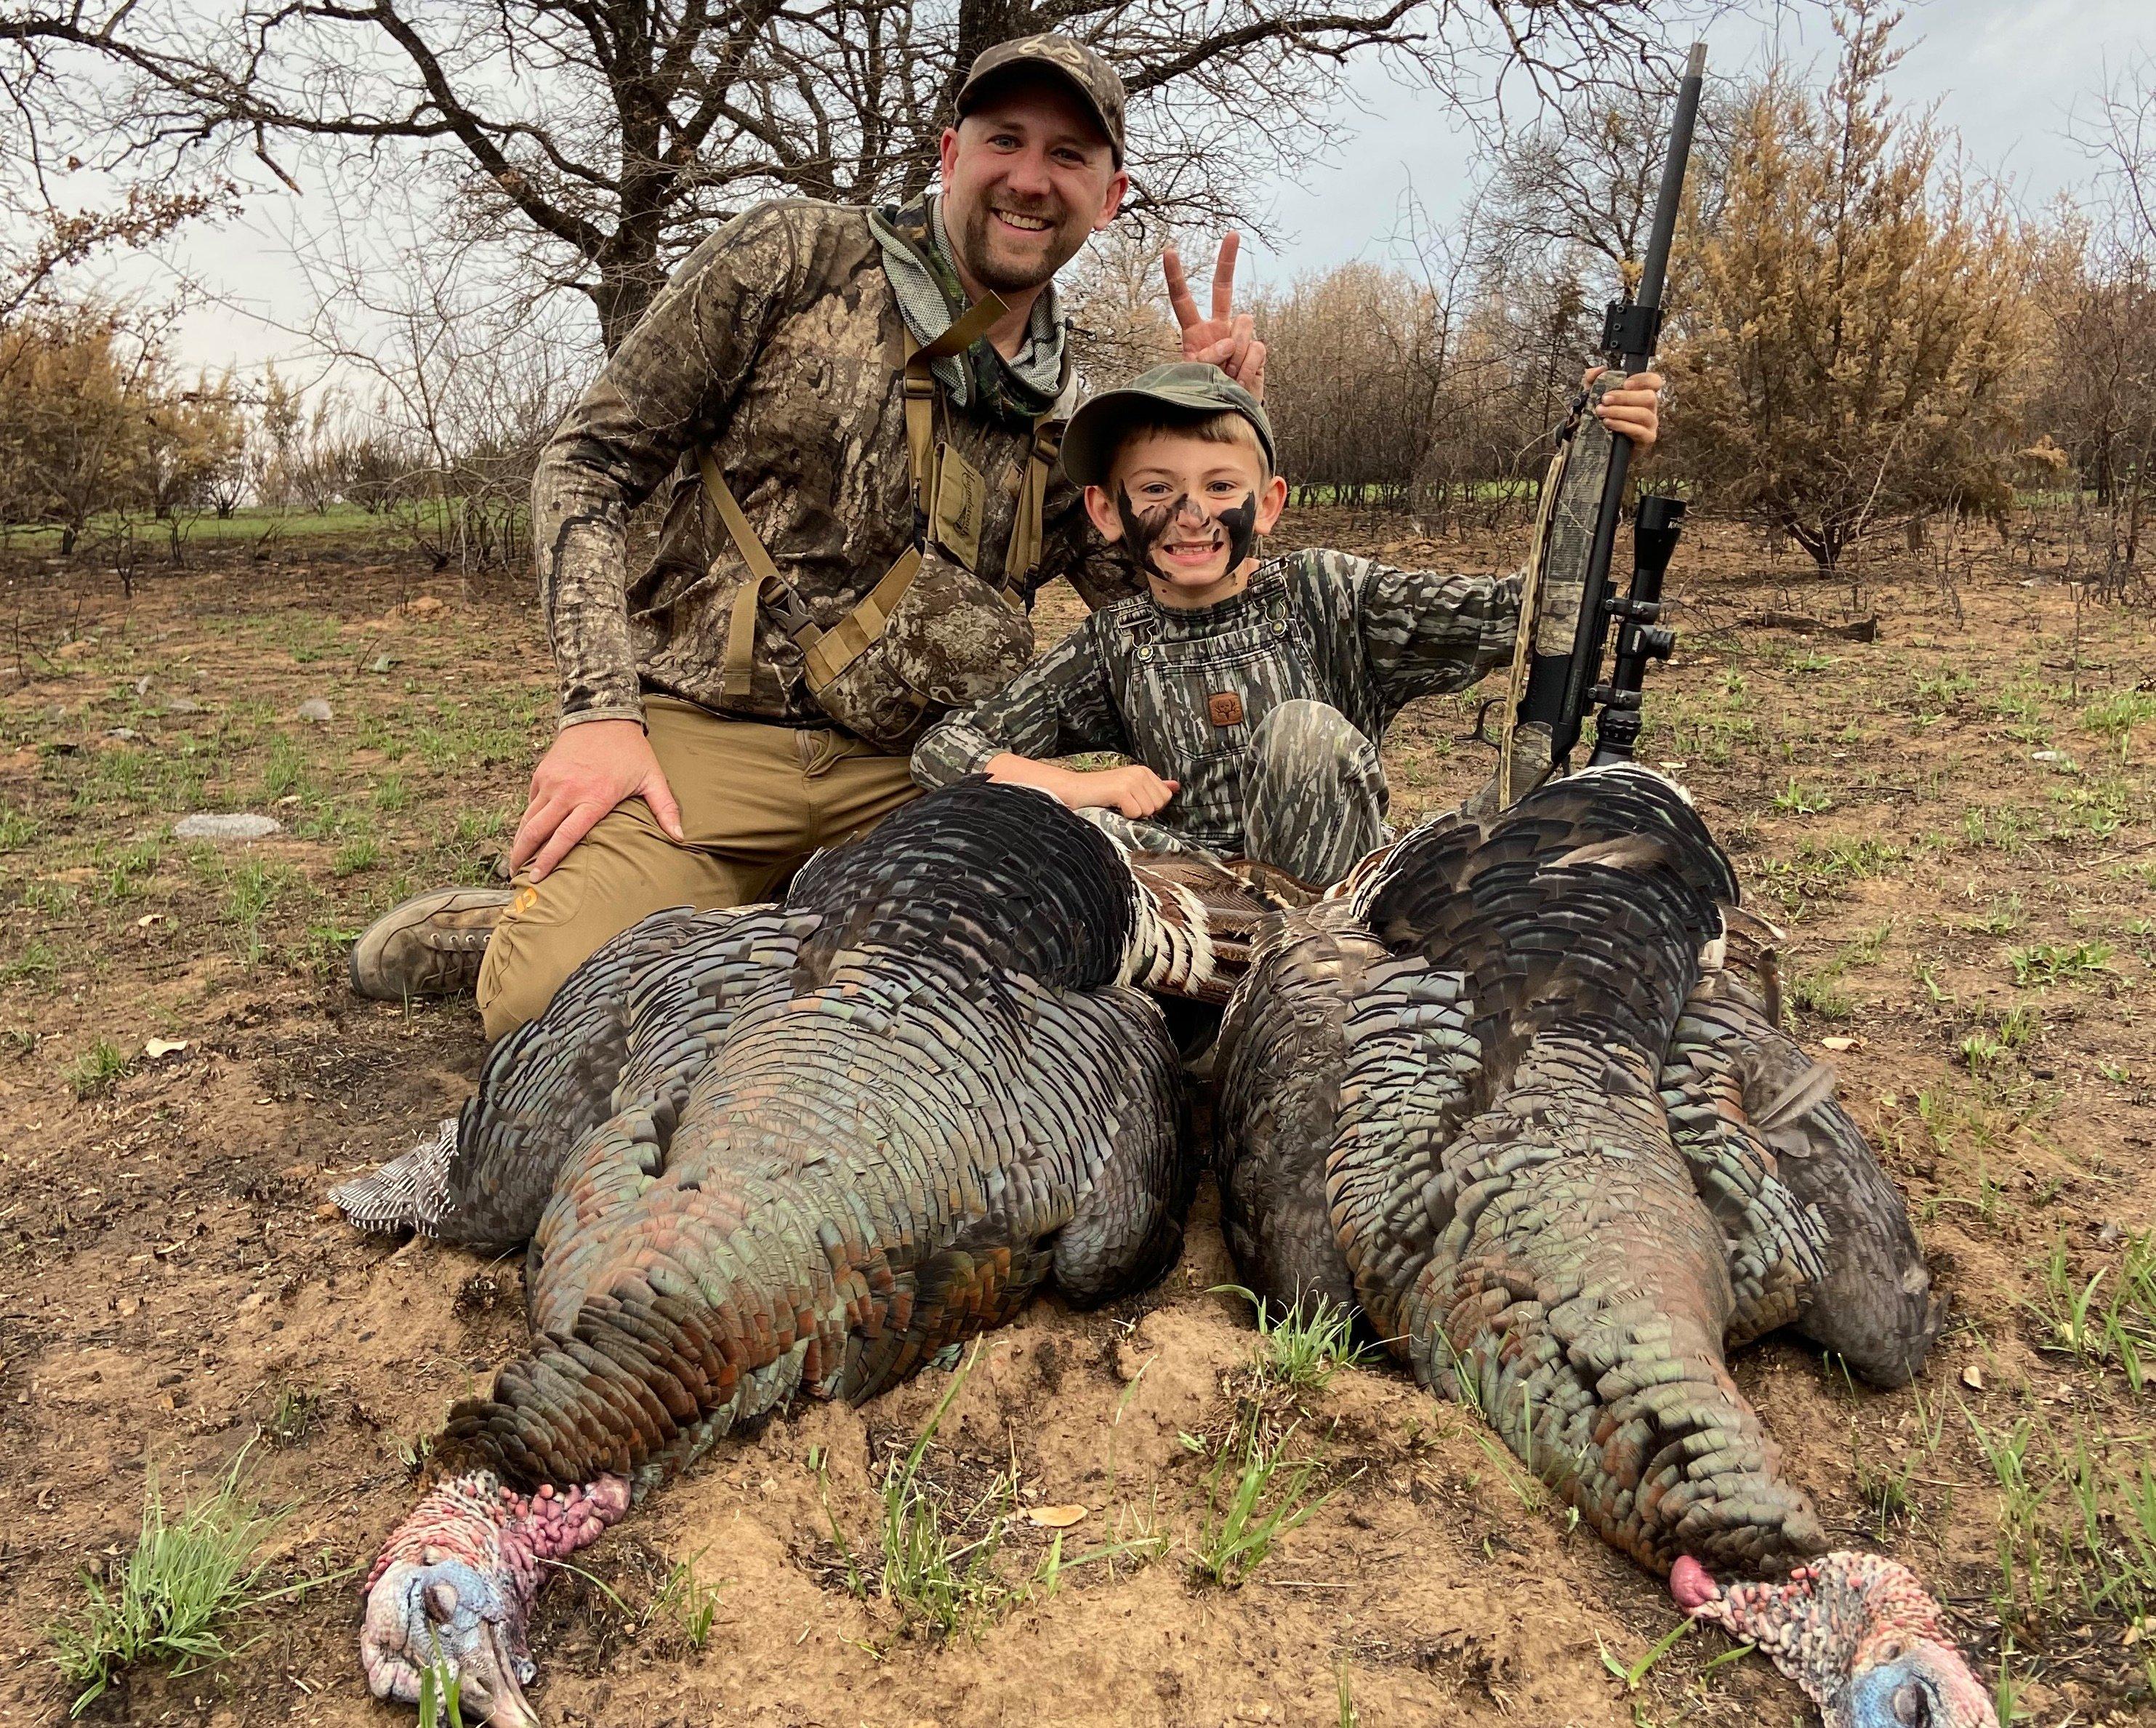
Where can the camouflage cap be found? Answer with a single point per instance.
(1063, 57)
(1189, 389)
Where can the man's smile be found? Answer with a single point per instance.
(1023, 222)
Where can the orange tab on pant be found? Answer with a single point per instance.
(1225, 708)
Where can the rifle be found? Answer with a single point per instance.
(1584, 498)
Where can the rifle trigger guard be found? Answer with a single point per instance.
(1481, 734)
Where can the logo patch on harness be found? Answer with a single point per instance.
(1225, 708)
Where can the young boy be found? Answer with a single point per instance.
(1251, 694)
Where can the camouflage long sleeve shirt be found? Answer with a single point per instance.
(774, 345)
(1182, 691)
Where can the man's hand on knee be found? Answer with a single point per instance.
(586, 772)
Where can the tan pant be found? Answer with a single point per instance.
(755, 801)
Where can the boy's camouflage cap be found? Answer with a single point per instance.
(1189, 389)
(1063, 57)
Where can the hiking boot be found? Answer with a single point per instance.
(431, 946)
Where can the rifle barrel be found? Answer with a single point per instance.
(1655, 267)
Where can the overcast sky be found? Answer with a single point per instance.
(2007, 75)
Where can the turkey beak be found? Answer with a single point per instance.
(490, 1682)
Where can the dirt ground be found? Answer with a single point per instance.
(1956, 821)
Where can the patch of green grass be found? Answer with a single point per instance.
(248, 892)
(2108, 1319)
(2076, 1542)
(1866, 947)
(97, 1070)
(391, 794)
(2019, 1026)
(253, 523)
(2059, 962)
(292, 1416)
(35, 960)
(474, 826)
(1941, 689)
(363, 853)
(125, 874)
(1300, 1348)
(17, 829)
(441, 1696)
(49, 899)
(1255, 1494)
(1852, 857)
(2097, 807)
(285, 769)
(1798, 799)
(1817, 994)
(2005, 828)
(691, 1603)
(1999, 920)
(177, 1594)
(948, 1583)
(2117, 715)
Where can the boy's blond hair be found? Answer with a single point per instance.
(1226, 427)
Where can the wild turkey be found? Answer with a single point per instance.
(1503, 1093)
(792, 1147)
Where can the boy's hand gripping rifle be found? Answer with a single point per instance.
(1567, 606)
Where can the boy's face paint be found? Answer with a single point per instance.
(1179, 540)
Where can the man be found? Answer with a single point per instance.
(832, 462)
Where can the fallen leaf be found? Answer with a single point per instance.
(1972, 1377)
(164, 1047)
(1054, 1517)
(1838, 1043)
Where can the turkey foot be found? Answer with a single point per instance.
(1857, 1632)
(453, 1585)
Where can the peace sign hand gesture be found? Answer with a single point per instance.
(1228, 339)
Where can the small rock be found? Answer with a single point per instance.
(2110, 1233)
(142, 687)
(315, 709)
(183, 705)
(1838, 1044)
(382, 662)
(157, 1047)
(1972, 1377)
(239, 826)
(425, 606)
(125, 734)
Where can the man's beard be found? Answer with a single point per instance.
(974, 239)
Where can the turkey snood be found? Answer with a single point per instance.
(1143, 530)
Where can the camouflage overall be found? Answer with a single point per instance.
(1266, 708)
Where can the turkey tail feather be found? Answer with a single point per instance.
(410, 1192)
